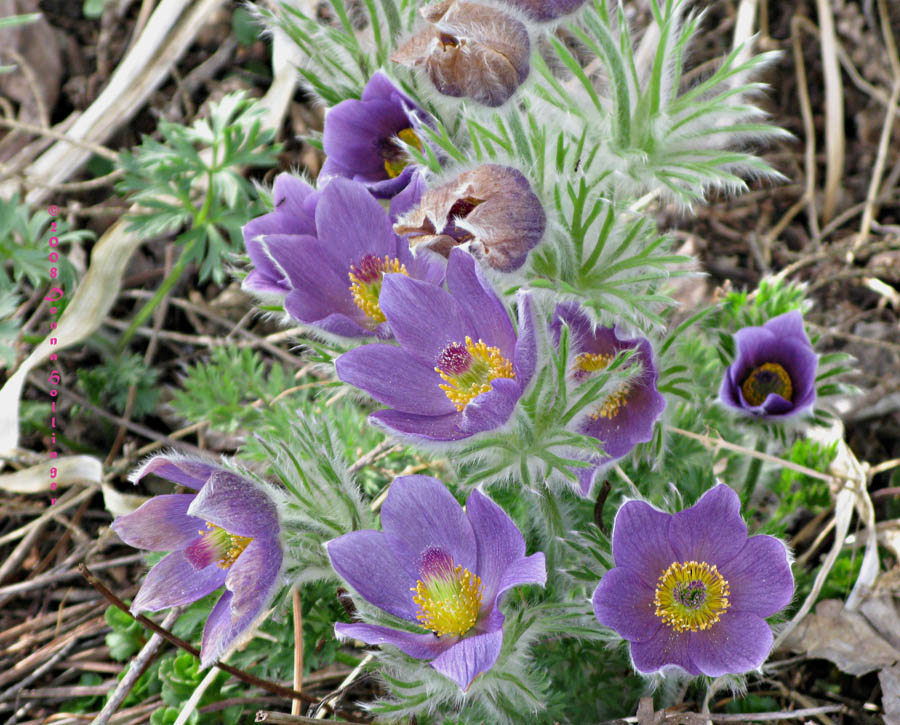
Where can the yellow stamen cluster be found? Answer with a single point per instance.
(449, 604)
(767, 378)
(486, 364)
(395, 164)
(590, 362)
(230, 546)
(691, 596)
(365, 284)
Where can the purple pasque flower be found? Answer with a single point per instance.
(628, 415)
(441, 568)
(227, 534)
(774, 374)
(360, 138)
(691, 589)
(329, 263)
(491, 209)
(469, 50)
(459, 369)
(545, 10)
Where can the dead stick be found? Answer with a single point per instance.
(272, 687)
(298, 646)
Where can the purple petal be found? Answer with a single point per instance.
(501, 549)
(760, 577)
(666, 647)
(581, 329)
(711, 530)
(354, 128)
(160, 524)
(264, 283)
(290, 254)
(299, 305)
(412, 192)
(624, 602)
(788, 325)
(738, 642)
(419, 646)
(640, 541)
(420, 427)
(237, 505)
(173, 582)
(526, 348)
(424, 317)
(254, 576)
(469, 657)
(351, 224)
(420, 513)
(192, 473)
(492, 409)
(393, 377)
(476, 296)
(223, 631)
(291, 213)
(366, 562)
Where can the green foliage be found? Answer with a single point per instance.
(107, 384)
(127, 636)
(797, 491)
(85, 703)
(25, 251)
(166, 177)
(9, 327)
(222, 390)
(94, 8)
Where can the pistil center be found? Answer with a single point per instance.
(587, 363)
(365, 283)
(469, 370)
(766, 379)
(216, 545)
(691, 596)
(447, 594)
(395, 155)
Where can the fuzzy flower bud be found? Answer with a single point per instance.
(469, 50)
(491, 207)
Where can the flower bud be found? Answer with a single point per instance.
(491, 207)
(469, 50)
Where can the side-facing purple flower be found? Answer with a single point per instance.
(459, 369)
(469, 50)
(626, 417)
(691, 589)
(329, 264)
(491, 208)
(774, 374)
(360, 138)
(440, 568)
(227, 534)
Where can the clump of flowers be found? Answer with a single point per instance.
(460, 368)
(329, 260)
(628, 415)
(360, 138)
(440, 568)
(469, 50)
(227, 534)
(692, 589)
(491, 209)
(774, 374)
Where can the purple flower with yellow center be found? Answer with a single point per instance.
(628, 415)
(469, 50)
(360, 138)
(327, 252)
(774, 374)
(227, 534)
(459, 370)
(440, 568)
(692, 589)
(491, 209)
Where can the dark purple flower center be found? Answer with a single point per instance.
(469, 369)
(691, 596)
(765, 380)
(447, 594)
(216, 545)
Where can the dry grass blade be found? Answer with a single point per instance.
(809, 130)
(834, 110)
